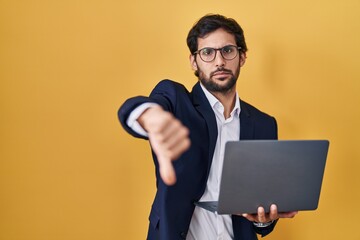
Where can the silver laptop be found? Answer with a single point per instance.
(262, 172)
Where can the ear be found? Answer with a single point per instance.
(242, 58)
(193, 62)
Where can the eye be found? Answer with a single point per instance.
(228, 49)
(207, 51)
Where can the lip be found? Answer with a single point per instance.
(221, 74)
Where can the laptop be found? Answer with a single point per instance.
(255, 173)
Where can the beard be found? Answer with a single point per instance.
(212, 86)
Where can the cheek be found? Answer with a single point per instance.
(203, 71)
(235, 66)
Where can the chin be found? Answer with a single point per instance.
(216, 86)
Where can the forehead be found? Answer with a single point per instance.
(217, 39)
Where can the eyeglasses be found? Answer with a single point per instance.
(208, 54)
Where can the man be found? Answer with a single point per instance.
(187, 132)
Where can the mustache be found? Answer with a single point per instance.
(220, 70)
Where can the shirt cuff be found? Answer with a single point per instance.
(134, 115)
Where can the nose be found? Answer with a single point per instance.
(219, 60)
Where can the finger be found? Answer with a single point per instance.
(273, 212)
(171, 128)
(179, 148)
(169, 131)
(172, 152)
(176, 140)
(261, 215)
(167, 171)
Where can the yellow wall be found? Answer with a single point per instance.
(67, 169)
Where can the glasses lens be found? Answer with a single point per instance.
(207, 54)
(229, 52)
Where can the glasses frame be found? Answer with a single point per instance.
(216, 50)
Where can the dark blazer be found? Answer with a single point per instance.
(173, 206)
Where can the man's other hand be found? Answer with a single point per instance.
(262, 217)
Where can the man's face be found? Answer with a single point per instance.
(219, 75)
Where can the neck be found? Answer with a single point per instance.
(227, 99)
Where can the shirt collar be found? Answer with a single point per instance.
(214, 101)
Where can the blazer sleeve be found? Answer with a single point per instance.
(164, 94)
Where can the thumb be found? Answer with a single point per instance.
(167, 171)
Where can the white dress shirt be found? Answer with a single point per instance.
(205, 224)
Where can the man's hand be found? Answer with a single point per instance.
(262, 217)
(168, 138)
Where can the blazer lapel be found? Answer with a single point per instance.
(203, 107)
(246, 123)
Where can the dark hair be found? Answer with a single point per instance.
(210, 23)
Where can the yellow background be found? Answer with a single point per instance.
(69, 171)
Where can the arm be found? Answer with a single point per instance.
(168, 136)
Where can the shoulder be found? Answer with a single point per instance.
(264, 125)
(170, 90)
(169, 94)
(169, 85)
(250, 110)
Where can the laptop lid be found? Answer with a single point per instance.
(262, 172)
